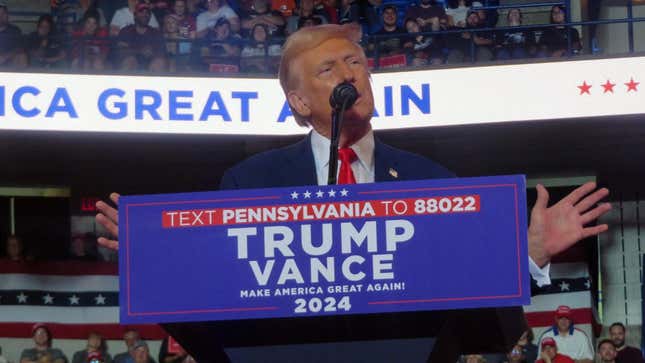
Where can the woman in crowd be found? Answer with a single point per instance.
(15, 250)
(90, 44)
(186, 22)
(43, 49)
(554, 41)
(422, 49)
(171, 34)
(515, 44)
(457, 12)
(81, 7)
(95, 348)
(259, 47)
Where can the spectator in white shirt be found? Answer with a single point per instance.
(217, 9)
(571, 341)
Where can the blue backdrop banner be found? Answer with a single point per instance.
(324, 250)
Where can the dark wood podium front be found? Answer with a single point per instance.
(456, 332)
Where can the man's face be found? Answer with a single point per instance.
(140, 355)
(222, 31)
(90, 26)
(259, 34)
(14, 248)
(180, 7)
(563, 324)
(389, 17)
(307, 7)
(323, 68)
(130, 338)
(607, 352)
(617, 335)
(260, 6)
(557, 15)
(142, 17)
(213, 5)
(4, 17)
(550, 351)
(472, 19)
(94, 342)
(41, 337)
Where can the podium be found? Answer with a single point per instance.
(492, 330)
(323, 264)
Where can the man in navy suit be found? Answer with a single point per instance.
(314, 61)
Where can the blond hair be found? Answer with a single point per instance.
(306, 39)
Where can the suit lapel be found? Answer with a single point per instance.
(300, 168)
(385, 164)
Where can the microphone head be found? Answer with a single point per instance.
(344, 93)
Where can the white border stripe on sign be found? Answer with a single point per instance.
(54, 314)
(59, 283)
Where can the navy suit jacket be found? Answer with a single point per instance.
(294, 165)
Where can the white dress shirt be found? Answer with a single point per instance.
(363, 168)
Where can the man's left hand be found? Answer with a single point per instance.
(554, 229)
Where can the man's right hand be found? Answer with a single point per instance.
(108, 217)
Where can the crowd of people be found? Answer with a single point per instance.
(96, 350)
(564, 343)
(561, 344)
(247, 36)
(82, 247)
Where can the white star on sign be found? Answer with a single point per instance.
(100, 300)
(319, 194)
(564, 286)
(22, 298)
(343, 193)
(48, 299)
(332, 193)
(307, 194)
(294, 195)
(73, 300)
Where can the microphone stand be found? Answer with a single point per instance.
(336, 126)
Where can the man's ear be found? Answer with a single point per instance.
(298, 104)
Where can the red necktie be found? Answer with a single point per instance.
(346, 156)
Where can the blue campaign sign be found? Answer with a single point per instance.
(324, 250)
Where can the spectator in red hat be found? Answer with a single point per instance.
(141, 46)
(125, 16)
(550, 353)
(571, 341)
(94, 352)
(42, 352)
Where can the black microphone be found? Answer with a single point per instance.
(343, 94)
(342, 97)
